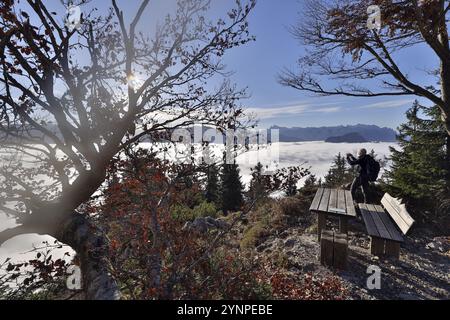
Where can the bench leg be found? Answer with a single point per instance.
(343, 225)
(392, 249)
(326, 248)
(340, 257)
(376, 246)
(321, 223)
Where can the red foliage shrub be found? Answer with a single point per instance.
(308, 287)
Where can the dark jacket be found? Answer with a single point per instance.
(361, 162)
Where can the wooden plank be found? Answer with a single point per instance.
(316, 201)
(321, 223)
(395, 202)
(384, 233)
(341, 200)
(326, 248)
(323, 206)
(399, 208)
(333, 199)
(349, 204)
(392, 249)
(402, 224)
(398, 212)
(389, 224)
(340, 253)
(368, 220)
(377, 246)
(405, 215)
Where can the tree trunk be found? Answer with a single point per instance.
(448, 161)
(445, 85)
(91, 247)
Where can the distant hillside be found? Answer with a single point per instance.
(368, 132)
(357, 133)
(353, 137)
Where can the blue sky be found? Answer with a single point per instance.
(257, 64)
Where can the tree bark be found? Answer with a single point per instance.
(91, 247)
(89, 243)
(445, 89)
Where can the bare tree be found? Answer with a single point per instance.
(73, 98)
(365, 62)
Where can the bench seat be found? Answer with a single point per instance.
(378, 223)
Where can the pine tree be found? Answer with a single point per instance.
(259, 184)
(310, 185)
(291, 184)
(212, 190)
(419, 170)
(339, 173)
(232, 187)
(311, 182)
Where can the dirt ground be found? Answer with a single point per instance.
(421, 273)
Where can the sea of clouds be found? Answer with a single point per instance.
(316, 155)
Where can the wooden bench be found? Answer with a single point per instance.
(386, 225)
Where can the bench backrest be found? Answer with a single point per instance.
(398, 212)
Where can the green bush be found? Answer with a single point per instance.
(204, 209)
(291, 207)
(253, 235)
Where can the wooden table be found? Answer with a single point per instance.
(333, 202)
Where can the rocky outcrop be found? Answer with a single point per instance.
(203, 224)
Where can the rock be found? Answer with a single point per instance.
(262, 247)
(408, 296)
(290, 253)
(279, 243)
(290, 243)
(441, 244)
(202, 225)
(284, 235)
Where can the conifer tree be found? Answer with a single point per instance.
(419, 169)
(259, 184)
(339, 173)
(291, 184)
(231, 188)
(311, 182)
(212, 192)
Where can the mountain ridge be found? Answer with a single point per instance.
(368, 132)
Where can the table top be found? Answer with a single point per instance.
(333, 201)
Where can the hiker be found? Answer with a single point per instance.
(362, 180)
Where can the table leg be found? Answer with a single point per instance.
(321, 223)
(343, 225)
